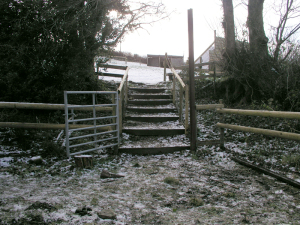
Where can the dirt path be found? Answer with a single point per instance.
(165, 189)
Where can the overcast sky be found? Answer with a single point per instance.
(171, 35)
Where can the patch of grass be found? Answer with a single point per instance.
(229, 195)
(136, 165)
(52, 149)
(213, 211)
(291, 160)
(171, 181)
(196, 202)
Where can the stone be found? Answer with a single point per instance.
(107, 214)
(37, 160)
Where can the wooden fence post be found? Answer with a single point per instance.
(165, 67)
(214, 65)
(174, 90)
(193, 120)
(221, 129)
(181, 103)
(121, 110)
(126, 91)
(186, 108)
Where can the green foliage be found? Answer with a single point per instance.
(48, 47)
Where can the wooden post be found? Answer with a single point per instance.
(84, 161)
(221, 129)
(121, 110)
(193, 121)
(181, 103)
(174, 90)
(214, 65)
(165, 67)
(186, 108)
(126, 91)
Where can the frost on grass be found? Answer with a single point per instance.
(173, 188)
(205, 187)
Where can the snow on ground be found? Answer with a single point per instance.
(139, 73)
(205, 187)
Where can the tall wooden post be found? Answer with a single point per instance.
(165, 67)
(221, 129)
(193, 138)
(180, 103)
(186, 108)
(174, 90)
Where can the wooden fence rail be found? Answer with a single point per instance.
(49, 126)
(273, 133)
(45, 106)
(263, 113)
(122, 90)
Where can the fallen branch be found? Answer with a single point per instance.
(106, 174)
(268, 172)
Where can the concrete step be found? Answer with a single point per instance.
(147, 96)
(152, 118)
(150, 102)
(153, 150)
(154, 132)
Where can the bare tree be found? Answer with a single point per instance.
(257, 38)
(228, 25)
(288, 10)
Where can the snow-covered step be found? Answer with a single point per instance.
(152, 119)
(152, 150)
(148, 90)
(150, 96)
(150, 102)
(145, 145)
(151, 109)
(151, 125)
(153, 131)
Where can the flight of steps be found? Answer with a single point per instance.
(152, 124)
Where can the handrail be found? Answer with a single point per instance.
(183, 91)
(123, 99)
(125, 77)
(175, 73)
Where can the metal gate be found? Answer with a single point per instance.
(95, 124)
